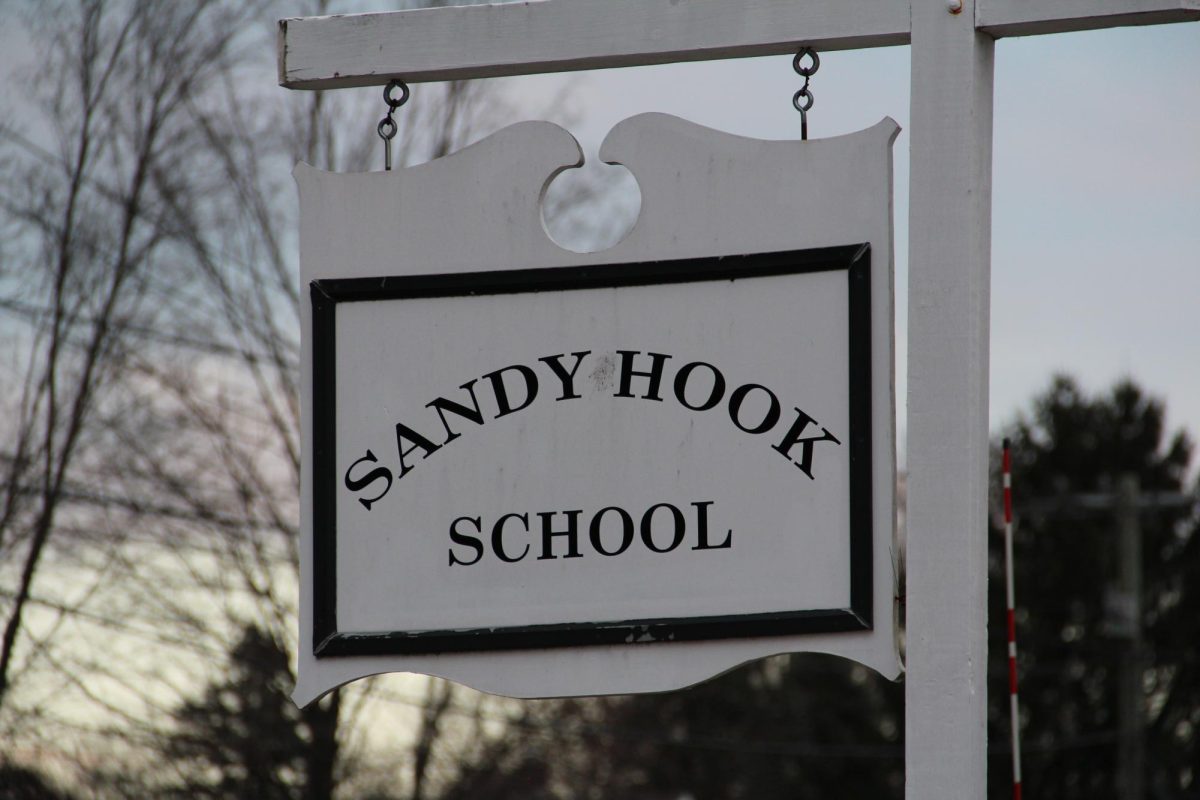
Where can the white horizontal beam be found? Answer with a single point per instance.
(1028, 17)
(484, 41)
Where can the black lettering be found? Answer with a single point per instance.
(793, 438)
(714, 396)
(626, 531)
(735, 407)
(503, 405)
(567, 378)
(377, 474)
(404, 432)
(702, 529)
(655, 374)
(466, 539)
(648, 528)
(498, 537)
(548, 534)
(441, 405)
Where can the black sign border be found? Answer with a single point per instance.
(327, 294)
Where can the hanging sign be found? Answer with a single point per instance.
(544, 473)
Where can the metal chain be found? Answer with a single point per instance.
(387, 126)
(803, 99)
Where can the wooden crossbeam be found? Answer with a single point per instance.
(486, 41)
(536, 36)
(1028, 17)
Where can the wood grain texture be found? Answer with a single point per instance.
(703, 193)
(1029, 17)
(948, 316)
(483, 41)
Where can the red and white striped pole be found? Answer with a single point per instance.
(1012, 624)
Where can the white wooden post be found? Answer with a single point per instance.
(949, 284)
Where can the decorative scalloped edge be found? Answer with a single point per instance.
(759, 209)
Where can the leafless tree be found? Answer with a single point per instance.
(149, 447)
(95, 259)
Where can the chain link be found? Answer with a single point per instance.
(803, 99)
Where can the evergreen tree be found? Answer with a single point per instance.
(244, 738)
(792, 727)
(1069, 457)
(21, 783)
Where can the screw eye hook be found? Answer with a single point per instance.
(814, 62)
(802, 100)
(393, 104)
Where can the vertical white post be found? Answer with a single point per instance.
(948, 318)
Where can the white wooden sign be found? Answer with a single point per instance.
(545, 473)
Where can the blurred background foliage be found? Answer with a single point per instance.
(148, 505)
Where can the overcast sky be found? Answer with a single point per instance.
(1096, 203)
